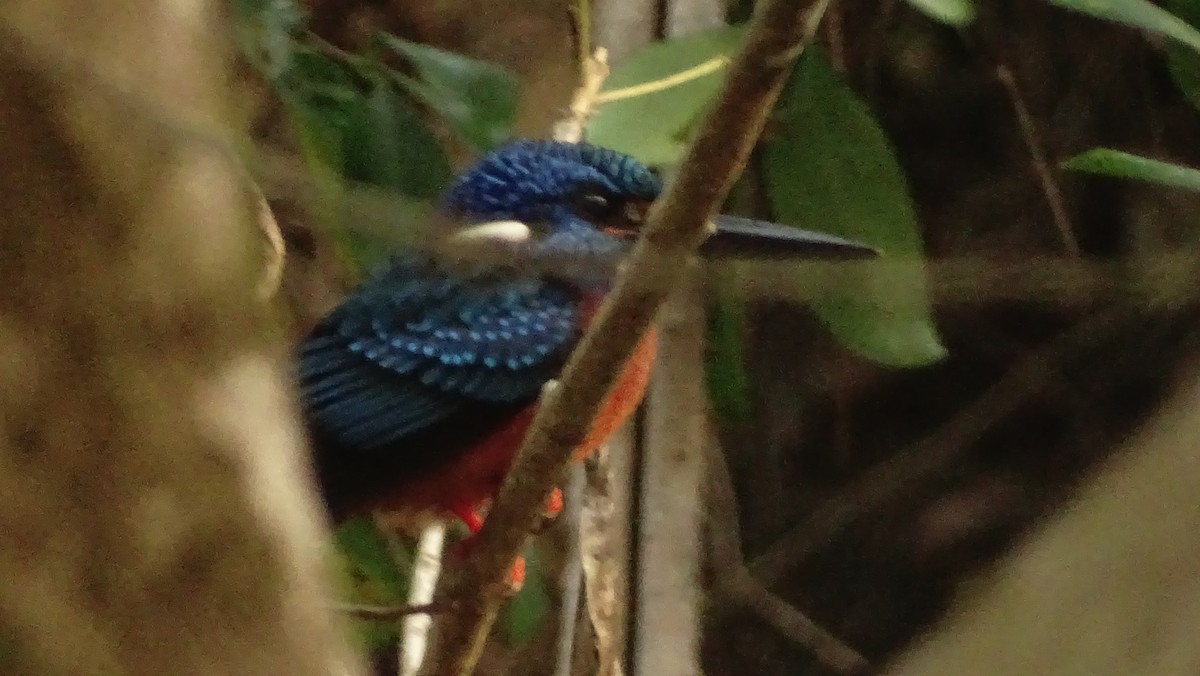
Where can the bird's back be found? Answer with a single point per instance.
(418, 368)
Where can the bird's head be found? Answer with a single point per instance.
(574, 201)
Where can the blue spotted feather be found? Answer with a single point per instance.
(414, 345)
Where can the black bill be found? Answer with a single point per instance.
(748, 238)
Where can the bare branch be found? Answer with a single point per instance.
(669, 521)
(388, 613)
(585, 99)
(736, 586)
(910, 466)
(1037, 158)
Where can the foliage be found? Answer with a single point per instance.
(1139, 14)
(828, 167)
(1183, 59)
(369, 120)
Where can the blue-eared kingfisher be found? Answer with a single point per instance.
(419, 387)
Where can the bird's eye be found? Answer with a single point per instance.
(595, 206)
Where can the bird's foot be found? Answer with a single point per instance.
(513, 581)
(474, 522)
(554, 507)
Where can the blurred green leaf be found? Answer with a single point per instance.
(725, 365)
(264, 31)
(477, 98)
(526, 611)
(655, 127)
(367, 552)
(371, 576)
(1139, 14)
(395, 150)
(323, 101)
(953, 12)
(353, 125)
(829, 167)
(1184, 63)
(1109, 162)
(392, 147)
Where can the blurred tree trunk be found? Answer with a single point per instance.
(152, 519)
(1108, 587)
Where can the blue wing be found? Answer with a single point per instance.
(413, 346)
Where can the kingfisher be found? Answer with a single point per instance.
(419, 387)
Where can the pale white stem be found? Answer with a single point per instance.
(426, 569)
(667, 624)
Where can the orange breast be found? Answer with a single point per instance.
(623, 399)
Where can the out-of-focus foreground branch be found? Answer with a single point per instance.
(1108, 588)
(153, 519)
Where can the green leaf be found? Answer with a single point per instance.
(953, 12)
(477, 98)
(1109, 162)
(391, 147)
(264, 31)
(829, 167)
(526, 611)
(1139, 14)
(354, 126)
(370, 576)
(655, 127)
(1184, 63)
(323, 102)
(369, 556)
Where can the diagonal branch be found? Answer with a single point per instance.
(777, 35)
(734, 582)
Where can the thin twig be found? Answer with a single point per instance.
(584, 101)
(593, 70)
(909, 468)
(388, 613)
(667, 504)
(665, 577)
(580, 13)
(604, 543)
(1037, 157)
(676, 226)
(699, 70)
(273, 250)
(571, 579)
(736, 586)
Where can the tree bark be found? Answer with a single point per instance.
(154, 518)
